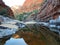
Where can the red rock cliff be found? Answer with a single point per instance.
(49, 10)
(28, 3)
(3, 6)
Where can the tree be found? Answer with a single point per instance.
(4, 12)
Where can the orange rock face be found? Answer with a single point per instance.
(31, 5)
(28, 3)
(3, 6)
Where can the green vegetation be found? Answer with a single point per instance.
(4, 12)
(24, 15)
(35, 11)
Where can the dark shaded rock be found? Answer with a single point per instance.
(49, 10)
(5, 10)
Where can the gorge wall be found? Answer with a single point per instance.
(5, 10)
(49, 10)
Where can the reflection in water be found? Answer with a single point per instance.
(15, 41)
(33, 35)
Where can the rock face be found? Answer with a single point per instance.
(32, 5)
(5, 9)
(29, 3)
(28, 6)
(49, 10)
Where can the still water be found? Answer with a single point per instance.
(31, 35)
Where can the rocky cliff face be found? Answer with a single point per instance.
(5, 10)
(29, 5)
(49, 10)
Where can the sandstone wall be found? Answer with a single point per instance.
(3, 6)
(49, 10)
